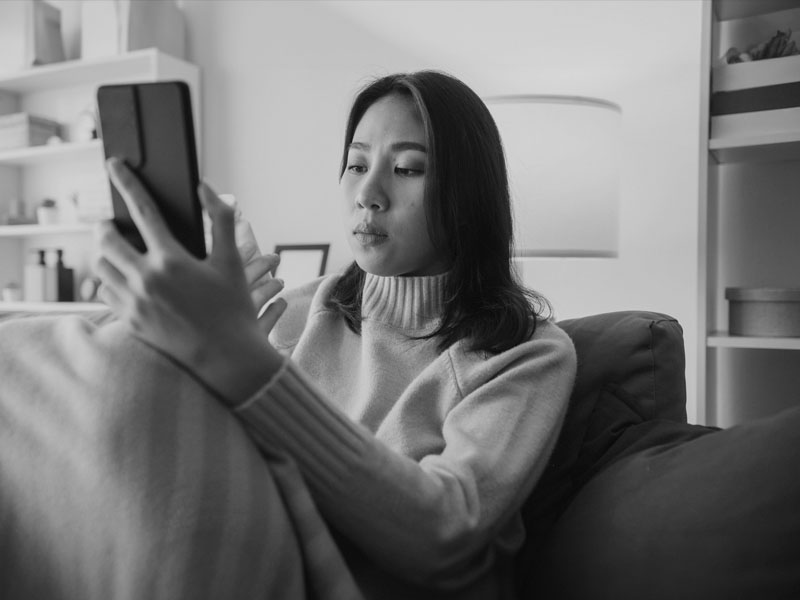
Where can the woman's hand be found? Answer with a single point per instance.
(258, 269)
(263, 286)
(199, 312)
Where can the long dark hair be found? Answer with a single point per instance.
(468, 212)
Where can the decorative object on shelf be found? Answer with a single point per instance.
(779, 45)
(110, 27)
(47, 212)
(770, 97)
(88, 289)
(743, 88)
(30, 34)
(767, 312)
(84, 127)
(20, 130)
(563, 159)
(12, 292)
(17, 214)
(301, 263)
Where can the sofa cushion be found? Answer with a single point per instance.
(716, 516)
(638, 353)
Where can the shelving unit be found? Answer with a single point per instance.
(750, 211)
(62, 92)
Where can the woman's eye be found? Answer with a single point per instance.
(408, 171)
(358, 169)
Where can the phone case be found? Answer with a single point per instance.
(150, 127)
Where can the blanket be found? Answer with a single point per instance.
(122, 476)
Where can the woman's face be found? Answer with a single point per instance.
(383, 189)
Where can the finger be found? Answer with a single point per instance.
(110, 298)
(266, 292)
(271, 315)
(260, 269)
(116, 249)
(222, 226)
(140, 205)
(109, 275)
(246, 244)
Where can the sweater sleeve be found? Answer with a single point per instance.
(436, 521)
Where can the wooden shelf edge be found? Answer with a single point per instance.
(54, 75)
(745, 141)
(722, 339)
(51, 307)
(726, 10)
(36, 154)
(755, 149)
(34, 230)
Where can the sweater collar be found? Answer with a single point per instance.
(405, 302)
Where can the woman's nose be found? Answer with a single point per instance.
(372, 193)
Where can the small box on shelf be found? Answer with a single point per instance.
(20, 130)
(764, 312)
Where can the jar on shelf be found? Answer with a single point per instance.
(47, 212)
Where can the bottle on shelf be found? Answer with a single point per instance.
(65, 279)
(50, 278)
(35, 283)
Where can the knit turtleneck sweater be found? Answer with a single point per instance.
(419, 458)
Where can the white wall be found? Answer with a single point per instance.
(278, 78)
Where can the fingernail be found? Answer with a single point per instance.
(280, 281)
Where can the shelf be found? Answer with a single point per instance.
(758, 73)
(34, 230)
(83, 72)
(722, 339)
(51, 307)
(756, 148)
(740, 9)
(769, 135)
(41, 154)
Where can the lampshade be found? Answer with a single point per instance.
(563, 158)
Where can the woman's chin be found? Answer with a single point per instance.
(374, 268)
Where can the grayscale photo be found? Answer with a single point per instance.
(399, 299)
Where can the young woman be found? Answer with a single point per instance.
(418, 394)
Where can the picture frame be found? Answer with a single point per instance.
(301, 263)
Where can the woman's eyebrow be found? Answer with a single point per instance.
(409, 146)
(396, 147)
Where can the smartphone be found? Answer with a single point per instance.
(150, 127)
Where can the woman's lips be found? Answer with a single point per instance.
(369, 239)
(369, 235)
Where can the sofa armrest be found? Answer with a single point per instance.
(637, 353)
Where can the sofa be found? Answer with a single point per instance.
(636, 503)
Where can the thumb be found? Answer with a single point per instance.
(222, 225)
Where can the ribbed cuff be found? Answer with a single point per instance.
(290, 415)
